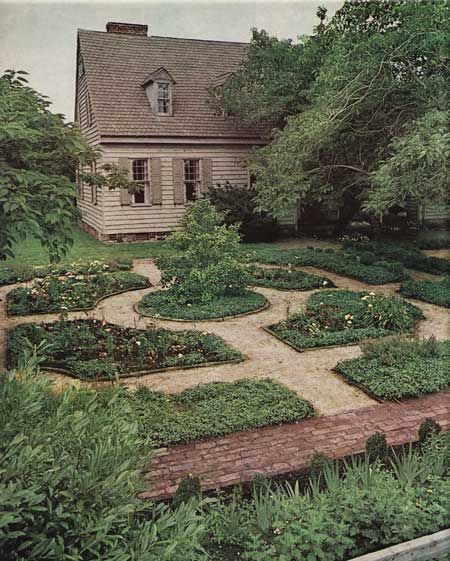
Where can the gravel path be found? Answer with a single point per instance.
(309, 374)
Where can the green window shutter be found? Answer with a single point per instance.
(124, 194)
(155, 181)
(206, 182)
(178, 181)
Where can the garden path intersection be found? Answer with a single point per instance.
(309, 374)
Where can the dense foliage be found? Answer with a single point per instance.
(92, 350)
(339, 317)
(360, 109)
(71, 292)
(287, 279)
(435, 292)
(237, 203)
(336, 261)
(398, 369)
(206, 265)
(214, 409)
(164, 303)
(22, 273)
(40, 156)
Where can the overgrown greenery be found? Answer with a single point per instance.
(69, 480)
(164, 303)
(435, 292)
(336, 261)
(237, 203)
(359, 107)
(214, 409)
(339, 317)
(22, 273)
(400, 368)
(287, 279)
(40, 156)
(95, 350)
(71, 292)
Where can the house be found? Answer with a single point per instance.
(143, 101)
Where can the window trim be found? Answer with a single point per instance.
(158, 83)
(146, 183)
(88, 105)
(198, 188)
(94, 188)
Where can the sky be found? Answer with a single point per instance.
(40, 37)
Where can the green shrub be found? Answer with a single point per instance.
(188, 489)
(319, 462)
(336, 317)
(376, 447)
(287, 279)
(399, 369)
(435, 292)
(206, 266)
(237, 203)
(92, 349)
(52, 293)
(428, 428)
(436, 240)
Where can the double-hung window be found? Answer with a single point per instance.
(163, 97)
(140, 176)
(192, 179)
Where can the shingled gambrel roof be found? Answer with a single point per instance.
(117, 64)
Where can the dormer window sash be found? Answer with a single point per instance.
(163, 98)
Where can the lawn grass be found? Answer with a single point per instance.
(163, 304)
(95, 350)
(400, 369)
(214, 409)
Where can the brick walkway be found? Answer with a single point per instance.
(285, 449)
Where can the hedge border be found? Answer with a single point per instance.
(97, 302)
(218, 318)
(422, 300)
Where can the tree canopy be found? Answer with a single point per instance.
(39, 156)
(359, 110)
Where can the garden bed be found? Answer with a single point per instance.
(214, 409)
(342, 317)
(10, 275)
(95, 350)
(336, 261)
(71, 292)
(163, 305)
(283, 279)
(399, 369)
(429, 291)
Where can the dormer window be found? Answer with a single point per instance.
(159, 89)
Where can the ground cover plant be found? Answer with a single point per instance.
(339, 317)
(164, 303)
(408, 255)
(214, 409)
(71, 292)
(434, 292)
(21, 273)
(399, 369)
(439, 239)
(70, 478)
(289, 279)
(91, 349)
(336, 261)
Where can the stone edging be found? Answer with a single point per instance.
(97, 302)
(220, 318)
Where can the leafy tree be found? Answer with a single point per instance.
(207, 265)
(39, 156)
(369, 85)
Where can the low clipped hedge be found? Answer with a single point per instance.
(341, 317)
(434, 292)
(287, 279)
(10, 275)
(398, 369)
(436, 240)
(163, 304)
(409, 256)
(336, 261)
(96, 350)
(214, 409)
(71, 292)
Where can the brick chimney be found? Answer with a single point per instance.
(126, 28)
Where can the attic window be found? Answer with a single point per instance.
(163, 97)
(158, 86)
